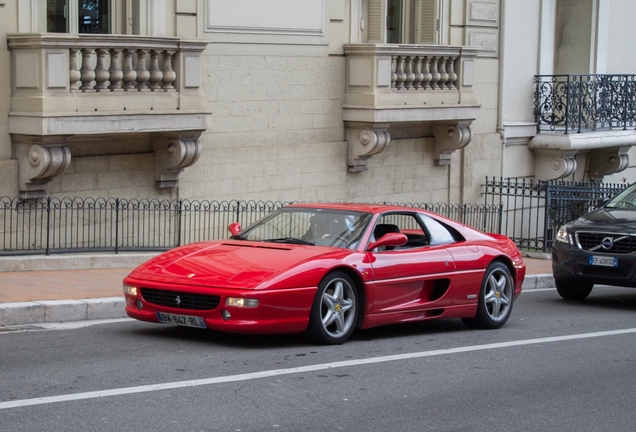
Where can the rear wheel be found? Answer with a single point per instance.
(573, 290)
(495, 298)
(335, 309)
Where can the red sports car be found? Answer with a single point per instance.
(330, 268)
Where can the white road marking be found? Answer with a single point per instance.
(302, 369)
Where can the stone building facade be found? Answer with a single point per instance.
(347, 100)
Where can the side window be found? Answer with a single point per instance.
(405, 223)
(404, 21)
(80, 16)
(438, 232)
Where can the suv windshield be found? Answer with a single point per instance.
(624, 200)
(313, 226)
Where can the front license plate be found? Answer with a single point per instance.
(182, 320)
(603, 261)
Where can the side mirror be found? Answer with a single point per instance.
(390, 239)
(234, 228)
(600, 202)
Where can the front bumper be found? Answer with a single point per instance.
(571, 264)
(278, 311)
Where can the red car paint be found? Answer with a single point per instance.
(394, 286)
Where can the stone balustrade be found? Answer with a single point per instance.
(381, 74)
(50, 64)
(75, 95)
(388, 86)
(423, 72)
(127, 69)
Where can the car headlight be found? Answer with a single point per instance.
(130, 290)
(241, 302)
(563, 236)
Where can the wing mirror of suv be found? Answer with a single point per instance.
(600, 202)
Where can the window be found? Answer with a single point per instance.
(78, 16)
(405, 223)
(404, 21)
(439, 233)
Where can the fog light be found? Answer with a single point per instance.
(226, 315)
(241, 302)
(139, 304)
(130, 290)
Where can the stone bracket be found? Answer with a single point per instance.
(450, 137)
(40, 158)
(554, 164)
(365, 140)
(608, 161)
(174, 155)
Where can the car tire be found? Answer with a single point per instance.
(334, 313)
(573, 291)
(495, 298)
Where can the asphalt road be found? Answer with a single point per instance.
(555, 366)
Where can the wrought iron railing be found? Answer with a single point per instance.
(62, 225)
(533, 211)
(576, 103)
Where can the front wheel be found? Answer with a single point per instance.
(495, 298)
(335, 310)
(573, 291)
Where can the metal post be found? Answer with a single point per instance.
(48, 223)
(116, 225)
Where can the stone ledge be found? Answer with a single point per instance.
(74, 261)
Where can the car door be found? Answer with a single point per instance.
(412, 276)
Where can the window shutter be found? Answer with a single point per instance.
(426, 22)
(375, 21)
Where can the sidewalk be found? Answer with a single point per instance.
(32, 293)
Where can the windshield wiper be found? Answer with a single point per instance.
(238, 237)
(291, 240)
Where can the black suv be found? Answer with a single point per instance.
(597, 248)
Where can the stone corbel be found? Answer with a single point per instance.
(554, 164)
(173, 155)
(365, 140)
(608, 161)
(40, 158)
(450, 137)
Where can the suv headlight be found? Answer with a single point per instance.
(563, 236)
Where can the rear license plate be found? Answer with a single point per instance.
(182, 320)
(603, 261)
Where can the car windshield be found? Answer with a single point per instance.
(625, 199)
(311, 226)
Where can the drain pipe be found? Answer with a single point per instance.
(500, 96)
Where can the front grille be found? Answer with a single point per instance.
(622, 243)
(180, 300)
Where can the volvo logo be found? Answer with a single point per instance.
(177, 300)
(607, 243)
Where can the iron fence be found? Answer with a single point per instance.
(573, 103)
(63, 225)
(533, 211)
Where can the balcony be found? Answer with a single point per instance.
(104, 94)
(392, 86)
(575, 113)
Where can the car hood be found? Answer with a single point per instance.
(614, 220)
(230, 264)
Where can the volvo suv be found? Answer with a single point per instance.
(597, 248)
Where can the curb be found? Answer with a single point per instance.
(56, 311)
